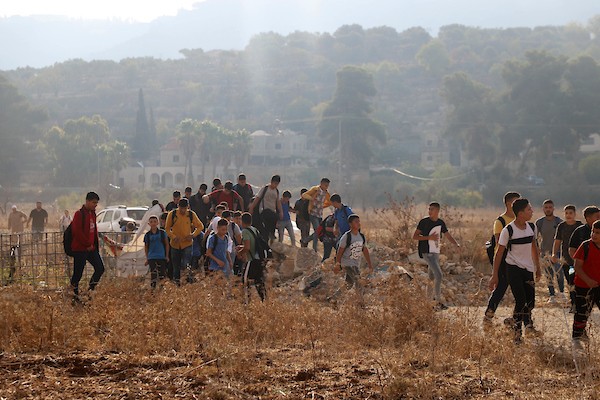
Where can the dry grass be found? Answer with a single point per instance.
(195, 342)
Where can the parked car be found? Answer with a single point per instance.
(535, 180)
(110, 219)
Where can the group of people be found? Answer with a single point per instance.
(228, 230)
(565, 250)
(18, 221)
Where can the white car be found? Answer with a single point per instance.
(109, 218)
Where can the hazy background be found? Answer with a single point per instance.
(41, 39)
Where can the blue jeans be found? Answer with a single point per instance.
(315, 222)
(180, 258)
(435, 273)
(79, 260)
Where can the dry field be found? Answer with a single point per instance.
(197, 342)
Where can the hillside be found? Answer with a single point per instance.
(39, 41)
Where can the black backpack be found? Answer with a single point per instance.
(68, 236)
(490, 245)
(349, 239)
(262, 248)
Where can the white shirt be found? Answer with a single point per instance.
(519, 254)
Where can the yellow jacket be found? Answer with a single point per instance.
(182, 228)
(312, 193)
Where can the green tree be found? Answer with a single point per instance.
(189, 134)
(77, 151)
(589, 167)
(143, 142)
(348, 117)
(18, 123)
(434, 57)
(469, 117)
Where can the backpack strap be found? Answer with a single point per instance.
(502, 221)
(349, 238)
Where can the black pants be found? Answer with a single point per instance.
(269, 221)
(522, 285)
(255, 271)
(158, 270)
(499, 292)
(79, 260)
(584, 302)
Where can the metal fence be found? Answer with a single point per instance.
(38, 259)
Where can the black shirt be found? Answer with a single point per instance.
(171, 206)
(580, 235)
(38, 219)
(301, 208)
(564, 232)
(246, 193)
(425, 226)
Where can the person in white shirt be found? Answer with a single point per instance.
(517, 240)
(64, 221)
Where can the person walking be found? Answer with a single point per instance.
(353, 246)
(64, 221)
(156, 246)
(341, 214)
(500, 290)
(523, 269)
(546, 227)
(302, 218)
(85, 244)
(587, 284)
(16, 220)
(564, 230)
(429, 233)
(319, 199)
(182, 227)
(245, 191)
(266, 209)
(198, 205)
(285, 224)
(38, 218)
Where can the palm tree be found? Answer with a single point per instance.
(241, 148)
(211, 145)
(189, 134)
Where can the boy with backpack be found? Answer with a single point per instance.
(286, 222)
(182, 227)
(560, 250)
(523, 269)
(255, 252)
(429, 234)
(587, 284)
(156, 246)
(492, 246)
(218, 249)
(341, 214)
(352, 246)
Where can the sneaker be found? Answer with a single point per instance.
(510, 322)
(552, 300)
(531, 331)
(441, 307)
(573, 309)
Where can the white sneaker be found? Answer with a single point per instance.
(552, 300)
(578, 345)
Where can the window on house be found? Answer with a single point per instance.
(175, 158)
(278, 146)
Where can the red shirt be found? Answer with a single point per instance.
(233, 198)
(591, 266)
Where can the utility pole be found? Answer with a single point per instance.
(341, 183)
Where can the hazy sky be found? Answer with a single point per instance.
(137, 10)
